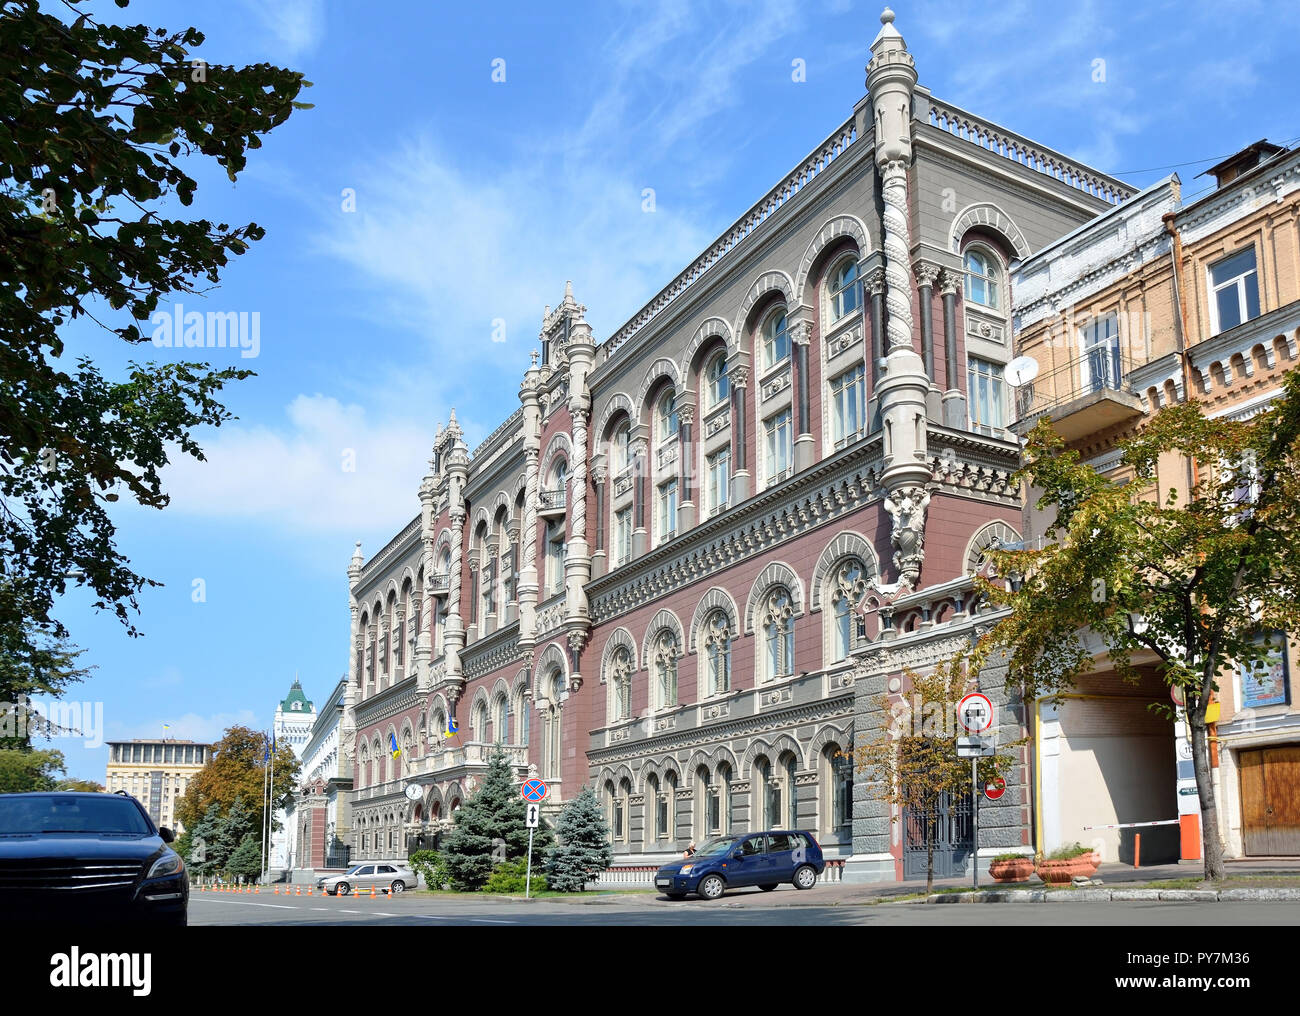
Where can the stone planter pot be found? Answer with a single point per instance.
(1017, 870)
(1092, 861)
(1062, 872)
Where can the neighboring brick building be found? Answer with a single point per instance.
(649, 578)
(1156, 302)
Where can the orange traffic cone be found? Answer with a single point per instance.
(299, 892)
(309, 890)
(372, 893)
(277, 890)
(257, 890)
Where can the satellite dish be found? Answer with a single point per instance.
(1021, 371)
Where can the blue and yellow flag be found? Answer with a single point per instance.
(392, 745)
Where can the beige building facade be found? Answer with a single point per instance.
(155, 773)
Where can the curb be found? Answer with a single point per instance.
(1120, 896)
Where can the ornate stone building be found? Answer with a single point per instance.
(686, 568)
(320, 816)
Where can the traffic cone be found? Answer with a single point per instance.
(372, 894)
(277, 890)
(309, 890)
(299, 893)
(257, 890)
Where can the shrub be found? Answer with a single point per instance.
(431, 867)
(1013, 857)
(1068, 852)
(508, 877)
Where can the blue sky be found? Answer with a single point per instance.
(475, 200)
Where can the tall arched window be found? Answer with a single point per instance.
(554, 719)
(791, 817)
(717, 386)
(717, 651)
(849, 586)
(622, 447)
(667, 827)
(778, 630)
(776, 340)
(654, 817)
(703, 796)
(982, 278)
(620, 684)
(666, 425)
(837, 778)
(768, 789)
(524, 713)
(845, 290)
(723, 797)
(503, 720)
(624, 811)
(665, 667)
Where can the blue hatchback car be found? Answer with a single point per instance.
(763, 859)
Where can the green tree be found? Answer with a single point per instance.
(495, 812)
(237, 769)
(231, 831)
(246, 862)
(99, 121)
(208, 832)
(86, 786)
(32, 665)
(1194, 581)
(584, 851)
(911, 762)
(26, 769)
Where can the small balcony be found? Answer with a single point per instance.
(439, 584)
(1082, 397)
(552, 502)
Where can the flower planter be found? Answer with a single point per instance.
(1062, 872)
(1093, 861)
(1017, 870)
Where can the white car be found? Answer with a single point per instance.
(389, 878)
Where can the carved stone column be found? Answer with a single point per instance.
(528, 395)
(805, 449)
(873, 285)
(686, 467)
(954, 403)
(600, 478)
(637, 452)
(739, 376)
(926, 274)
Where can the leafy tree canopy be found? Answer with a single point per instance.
(236, 770)
(24, 769)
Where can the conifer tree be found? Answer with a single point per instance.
(246, 861)
(584, 852)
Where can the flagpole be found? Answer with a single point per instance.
(266, 774)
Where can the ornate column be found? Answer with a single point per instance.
(422, 654)
(532, 428)
(457, 474)
(954, 403)
(739, 376)
(685, 467)
(577, 559)
(638, 448)
(873, 284)
(600, 477)
(805, 451)
(926, 274)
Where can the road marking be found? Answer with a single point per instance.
(490, 920)
(351, 911)
(246, 903)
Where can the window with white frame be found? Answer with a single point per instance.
(620, 683)
(837, 771)
(850, 585)
(986, 396)
(1234, 290)
(1101, 360)
(623, 535)
(667, 510)
(717, 652)
(983, 280)
(719, 479)
(665, 668)
(777, 446)
(776, 339)
(717, 386)
(554, 724)
(666, 424)
(848, 410)
(503, 720)
(778, 632)
(556, 549)
(845, 289)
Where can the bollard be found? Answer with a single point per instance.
(1137, 850)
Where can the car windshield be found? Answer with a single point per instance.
(56, 813)
(714, 848)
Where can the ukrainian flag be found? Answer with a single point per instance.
(392, 745)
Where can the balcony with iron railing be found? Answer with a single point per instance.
(439, 584)
(1082, 397)
(552, 502)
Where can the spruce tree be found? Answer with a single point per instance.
(584, 852)
(246, 861)
(208, 830)
(496, 811)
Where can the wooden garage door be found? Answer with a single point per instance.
(1270, 800)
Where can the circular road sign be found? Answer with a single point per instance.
(413, 792)
(533, 790)
(975, 713)
(995, 788)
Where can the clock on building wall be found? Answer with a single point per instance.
(413, 792)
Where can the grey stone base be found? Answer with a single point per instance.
(861, 869)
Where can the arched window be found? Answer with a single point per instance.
(557, 549)
(768, 789)
(849, 586)
(481, 722)
(776, 340)
(655, 818)
(624, 811)
(982, 278)
(778, 630)
(554, 718)
(503, 720)
(666, 425)
(665, 667)
(667, 827)
(613, 814)
(723, 796)
(791, 818)
(845, 289)
(622, 447)
(837, 778)
(523, 711)
(717, 386)
(703, 792)
(620, 683)
(717, 650)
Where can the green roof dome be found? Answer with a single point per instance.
(296, 701)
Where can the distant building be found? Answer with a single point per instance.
(155, 772)
(294, 717)
(318, 820)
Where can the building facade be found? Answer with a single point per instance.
(156, 773)
(295, 717)
(688, 566)
(318, 819)
(1157, 302)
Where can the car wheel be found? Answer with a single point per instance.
(676, 896)
(805, 877)
(343, 889)
(768, 888)
(712, 887)
(396, 887)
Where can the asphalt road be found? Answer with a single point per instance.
(740, 910)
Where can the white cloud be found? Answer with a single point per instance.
(296, 26)
(331, 468)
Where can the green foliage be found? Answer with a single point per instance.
(508, 877)
(1068, 852)
(1013, 857)
(27, 769)
(495, 811)
(584, 851)
(208, 832)
(431, 868)
(32, 665)
(83, 786)
(98, 123)
(236, 769)
(246, 861)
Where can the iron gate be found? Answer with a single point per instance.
(952, 838)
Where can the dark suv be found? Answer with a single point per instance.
(75, 858)
(762, 859)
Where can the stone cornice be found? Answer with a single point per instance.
(387, 703)
(377, 567)
(491, 652)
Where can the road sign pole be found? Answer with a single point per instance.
(975, 812)
(528, 879)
